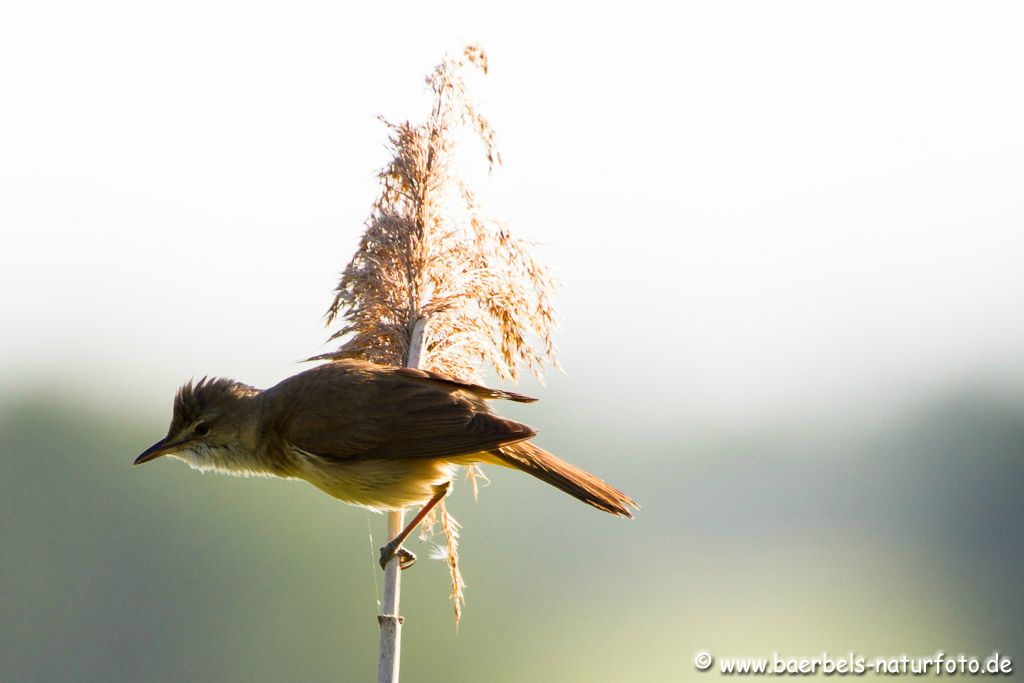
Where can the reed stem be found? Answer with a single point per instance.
(389, 652)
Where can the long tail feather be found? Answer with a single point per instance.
(563, 475)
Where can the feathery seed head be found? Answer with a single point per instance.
(429, 251)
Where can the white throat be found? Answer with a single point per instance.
(222, 459)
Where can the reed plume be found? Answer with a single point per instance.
(429, 251)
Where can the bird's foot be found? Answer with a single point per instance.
(406, 558)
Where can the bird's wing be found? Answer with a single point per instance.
(360, 411)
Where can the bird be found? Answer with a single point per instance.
(372, 435)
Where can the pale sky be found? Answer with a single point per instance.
(754, 208)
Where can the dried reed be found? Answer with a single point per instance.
(429, 251)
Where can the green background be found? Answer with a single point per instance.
(885, 538)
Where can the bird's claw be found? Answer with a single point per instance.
(406, 558)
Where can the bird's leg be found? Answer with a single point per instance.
(394, 547)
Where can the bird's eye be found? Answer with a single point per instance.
(202, 429)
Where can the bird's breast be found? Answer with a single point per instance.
(379, 483)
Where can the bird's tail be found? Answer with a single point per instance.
(567, 477)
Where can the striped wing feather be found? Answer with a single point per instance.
(352, 410)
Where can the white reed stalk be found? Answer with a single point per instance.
(389, 652)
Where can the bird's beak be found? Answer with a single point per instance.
(161, 447)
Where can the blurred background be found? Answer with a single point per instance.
(789, 241)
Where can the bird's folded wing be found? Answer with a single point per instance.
(397, 415)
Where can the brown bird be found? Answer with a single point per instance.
(377, 436)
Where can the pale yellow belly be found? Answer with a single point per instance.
(383, 484)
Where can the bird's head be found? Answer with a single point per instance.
(207, 424)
